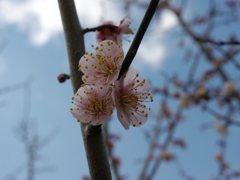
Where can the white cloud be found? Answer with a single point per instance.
(41, 18)
(151, 53)
(167, 21)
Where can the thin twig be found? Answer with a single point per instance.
(226, 118)
(139, 36)
(99, 28)
(220, 43)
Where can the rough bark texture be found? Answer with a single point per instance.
(92, 135)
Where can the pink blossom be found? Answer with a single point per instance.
(103, 67)
(114, 32)
(94, 104)
(130, 92)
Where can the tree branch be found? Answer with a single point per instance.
(92, 136)
(204, 40)
(139, 35)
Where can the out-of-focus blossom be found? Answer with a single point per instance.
(219, 157)
(63, 77)
(103, 67)
(151, 156)
(180, 143)
(116, 162)
(228, 88)
(109, 144)
(184, 101)
(178, 82)
(167, 156)
(200, 92)
(94, 104)
(114, 32)
(176, 94)
(130, 92)
(165, 110)
(231, 4)
(86, 178)
(220, 128)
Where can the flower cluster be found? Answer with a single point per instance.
(96, 101)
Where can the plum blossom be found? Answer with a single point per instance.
(130, 92)
(114, 32)
(94, 104)
(102, 67)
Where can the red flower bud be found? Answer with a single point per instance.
(63, 77)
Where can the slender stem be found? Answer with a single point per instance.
(166, 143)
(220, 43)
(99, 28)
(156, 133)
(92, 135)
(139, 35)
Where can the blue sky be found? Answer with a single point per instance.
(36, 49)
